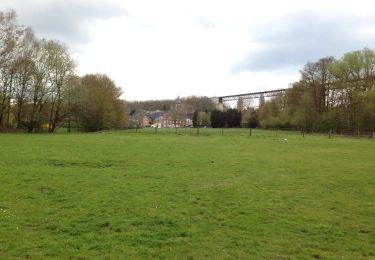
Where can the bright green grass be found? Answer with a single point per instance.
(141, 195)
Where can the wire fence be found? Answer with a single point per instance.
(256, 132)
(250, 132)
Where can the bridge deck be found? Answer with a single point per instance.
(269, 93)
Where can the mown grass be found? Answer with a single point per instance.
(140, 195)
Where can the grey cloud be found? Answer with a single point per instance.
(65, 20)
(293, 40)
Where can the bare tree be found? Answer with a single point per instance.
(38, 92)
(23, 80)
(60, 66)
(9, 36)
(317, 77)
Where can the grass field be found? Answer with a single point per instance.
(141, 195)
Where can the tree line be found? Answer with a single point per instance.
(200, 103)
(39, 88)
(332, 95)
(230, 117)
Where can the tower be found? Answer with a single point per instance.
(178, 102)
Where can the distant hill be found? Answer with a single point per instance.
(201, 103)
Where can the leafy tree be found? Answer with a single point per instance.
(195, 119)
(38, 85)
(368, 112)
(304, 115)
(99, 106)
(218, 119)
(268, 114)
(233, 118)
(204, 119)
(332, 94)
(250, 118)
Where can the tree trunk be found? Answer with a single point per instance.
(51, 117)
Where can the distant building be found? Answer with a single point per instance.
(177, 116)
(139, 119)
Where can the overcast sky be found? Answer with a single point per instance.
(161, 49)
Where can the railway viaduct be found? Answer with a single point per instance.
(269, 93)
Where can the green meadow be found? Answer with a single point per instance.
(140, 195)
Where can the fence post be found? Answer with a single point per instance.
(303, 133)
(222, 131)
(250, 131)
(197, 130)
(156, 129)
(330, 134)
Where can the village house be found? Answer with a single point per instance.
(177, 116)
(139, 119)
